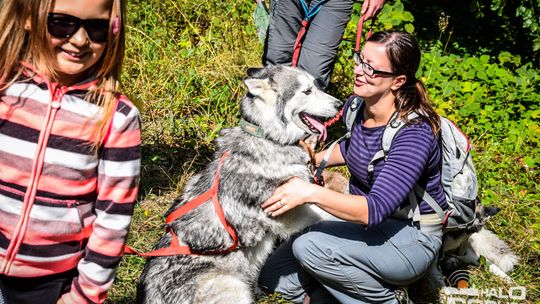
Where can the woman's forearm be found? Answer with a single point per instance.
(353, 208)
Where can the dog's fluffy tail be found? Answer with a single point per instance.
(488, 244)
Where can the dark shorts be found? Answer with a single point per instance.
(42, 290)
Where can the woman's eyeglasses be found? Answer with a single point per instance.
(64, 26)
(368, 69)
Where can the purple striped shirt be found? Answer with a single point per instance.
(414, 157)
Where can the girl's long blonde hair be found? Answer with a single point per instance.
(20, 44)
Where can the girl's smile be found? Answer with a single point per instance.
(74, 55)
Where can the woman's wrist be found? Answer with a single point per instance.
(316, 195)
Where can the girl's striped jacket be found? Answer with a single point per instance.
(63, 203)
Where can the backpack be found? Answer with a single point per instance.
(458, 176)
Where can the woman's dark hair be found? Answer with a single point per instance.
(404, 54)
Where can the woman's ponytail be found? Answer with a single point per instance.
(413, 97)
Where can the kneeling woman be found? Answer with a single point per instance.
(365, 255)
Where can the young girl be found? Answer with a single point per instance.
(364, 257)
(69, 150)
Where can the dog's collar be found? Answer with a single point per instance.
(250, 128)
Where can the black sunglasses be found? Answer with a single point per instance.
(64, 26)
(368, 69)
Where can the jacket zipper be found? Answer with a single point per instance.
(29, 197)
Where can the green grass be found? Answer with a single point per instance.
(184, 67)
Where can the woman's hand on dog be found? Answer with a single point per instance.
(293, 193)
(296, 192)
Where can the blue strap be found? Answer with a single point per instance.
(311, 12)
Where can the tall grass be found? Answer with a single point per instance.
(185, 62)
(184, 67)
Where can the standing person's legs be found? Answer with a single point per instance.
(285, 23)
(320, 46)
(365, 266)
(321, 41)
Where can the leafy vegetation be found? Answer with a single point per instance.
(186, 60)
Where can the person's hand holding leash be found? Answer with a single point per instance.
(293, 193)
(370, 8)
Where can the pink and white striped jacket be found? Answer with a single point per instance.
(64, 205)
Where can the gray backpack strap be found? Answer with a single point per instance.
(414, 208)
(350, 117)
(428, 199)
(322, 165)
(392, 128)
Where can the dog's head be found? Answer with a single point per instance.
(455, 242)
(286, 104)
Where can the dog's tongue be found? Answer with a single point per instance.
(319, 126)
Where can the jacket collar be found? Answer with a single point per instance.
(31, 73)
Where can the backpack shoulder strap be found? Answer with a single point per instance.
(392, 128)
(431, 202)
(355, 105)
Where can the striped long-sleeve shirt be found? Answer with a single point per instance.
(414, 157)
(64, 204)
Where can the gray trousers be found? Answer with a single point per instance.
(321, 41)
(342, 262)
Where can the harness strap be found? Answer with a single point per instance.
(318, 173)
(392, 128)
(414, 211)
(174, 247)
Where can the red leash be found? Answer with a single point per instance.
(174, 247)
(359, 28)
(298, 42)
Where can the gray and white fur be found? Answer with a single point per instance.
(466, 247)
(277, 101)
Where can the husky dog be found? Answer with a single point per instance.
(463, 248)
(281, 107)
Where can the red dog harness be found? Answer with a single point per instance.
(174, 247)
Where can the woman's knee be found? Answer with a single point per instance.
(310, 252)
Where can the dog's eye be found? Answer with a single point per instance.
(307, 92)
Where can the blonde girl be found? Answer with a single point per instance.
(69, 150)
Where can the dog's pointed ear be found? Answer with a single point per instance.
(490, 211)
(257, 81)
(257, 73)
(257, 86)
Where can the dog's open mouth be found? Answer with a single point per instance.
(314, 125)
